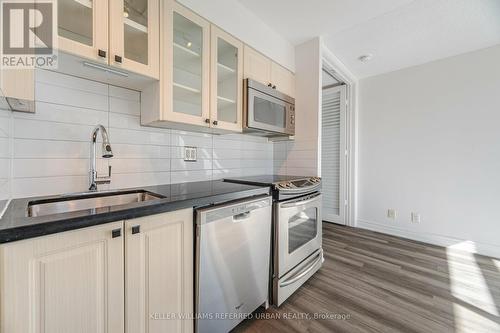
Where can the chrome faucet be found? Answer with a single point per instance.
(94, 180)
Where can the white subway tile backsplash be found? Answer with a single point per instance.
(180, 164)
(118, 105)
(65, 114)
(4, 148)
(71, 82)
(62, 95)
(27, 148)
(124, 93)
(50, 149)
(139, 165)
(183, 139)
(118, 135)
(53, 167)
(140, 151)
(139, 179)
(190, 176)
(47, 130)
(28, 187)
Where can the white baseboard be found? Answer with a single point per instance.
(440, 240)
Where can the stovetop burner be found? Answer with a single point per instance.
(284, 185)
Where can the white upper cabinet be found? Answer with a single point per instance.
(257, 66)
(185, 56)
(226, 85)
(262, 69)
(83, 28)
(201, 76)
(120, 33)
(134, 35)
(282, 79)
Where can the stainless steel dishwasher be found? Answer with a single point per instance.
(233, 249)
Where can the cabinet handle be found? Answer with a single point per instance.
(215, 122)
(207, 121)
(274, 87)
(136, 229)
(116, 233)
(270, 85)
(101, 53)
(118, 59)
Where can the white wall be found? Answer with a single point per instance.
(49, 150)
(300, 157)
(429, 142)
(236, 19)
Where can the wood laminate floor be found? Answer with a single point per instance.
(371, 282)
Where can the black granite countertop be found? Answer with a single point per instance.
(16, 225)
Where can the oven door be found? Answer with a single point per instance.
(267, 113)
(298, 231)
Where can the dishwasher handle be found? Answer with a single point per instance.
(241, 216)
(238, 211)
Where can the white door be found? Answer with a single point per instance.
(333, 154)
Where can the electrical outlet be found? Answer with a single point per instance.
(391, 213)
(190, 154)
(415, 217)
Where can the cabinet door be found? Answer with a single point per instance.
(283, 79)
(257, 66)
(185, 65)
(134, 35)
(226, 84)
(159, 272)
(67, 282)
(83, 28)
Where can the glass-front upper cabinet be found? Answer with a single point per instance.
(83, 28)
(226, 88)
(134, 36)
(185, 56)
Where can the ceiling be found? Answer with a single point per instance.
(398, 33)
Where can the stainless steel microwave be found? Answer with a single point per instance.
(267, 112)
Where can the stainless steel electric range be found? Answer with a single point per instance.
(297, 251)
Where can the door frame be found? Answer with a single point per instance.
(351, 131)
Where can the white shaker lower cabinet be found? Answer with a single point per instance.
(112, 278)
(159, 273)
(66, 282)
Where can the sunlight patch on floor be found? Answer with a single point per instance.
(468, 321)
(467, 281)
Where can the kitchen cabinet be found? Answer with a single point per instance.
(262, 69)
(81, 281)
(159, 272)
(201, 71)
(18, 88)
(182, 95)
(120, 33)
(257, 66)
(283, 79)
(226, 85)
(66, 282)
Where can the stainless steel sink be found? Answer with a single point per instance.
(85, 201)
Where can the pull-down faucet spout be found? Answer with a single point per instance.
(94, 180)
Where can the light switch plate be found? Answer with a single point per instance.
(190, 154)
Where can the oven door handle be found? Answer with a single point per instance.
(300, 201)
(303, 273)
